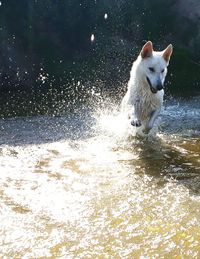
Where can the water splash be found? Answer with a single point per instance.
(99, 193)
(92, 38)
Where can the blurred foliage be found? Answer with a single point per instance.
(46, 45)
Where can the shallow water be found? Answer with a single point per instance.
(75, 186)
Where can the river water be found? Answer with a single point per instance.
(75, 186)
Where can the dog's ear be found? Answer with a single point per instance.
(147, 50)
(167, 53)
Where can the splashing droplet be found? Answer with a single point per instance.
(105, 16)
(92, 37)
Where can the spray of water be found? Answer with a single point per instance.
(92, 189)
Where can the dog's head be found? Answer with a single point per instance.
(153, 66)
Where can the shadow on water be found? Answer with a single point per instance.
(44, 129)
(174, 155)
(165, 161)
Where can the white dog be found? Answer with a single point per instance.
(143, 100)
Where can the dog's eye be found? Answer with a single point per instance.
(152, 69)
(162, 71)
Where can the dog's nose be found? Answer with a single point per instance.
(159, 85)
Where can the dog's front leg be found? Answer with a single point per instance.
(135, 115)
(151, 121)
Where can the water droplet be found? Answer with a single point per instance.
(105, 16)
(92, 37)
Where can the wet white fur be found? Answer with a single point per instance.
(139, 93)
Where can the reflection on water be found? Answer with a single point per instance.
(77, 187)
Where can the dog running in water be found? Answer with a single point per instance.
(143, 100)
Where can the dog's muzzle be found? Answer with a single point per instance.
(154, 90)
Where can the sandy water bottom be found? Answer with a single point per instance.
(68, 194)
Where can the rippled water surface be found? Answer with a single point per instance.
(76, 187)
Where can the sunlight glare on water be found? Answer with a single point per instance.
(100, 196)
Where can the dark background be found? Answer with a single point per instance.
(49, 64)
